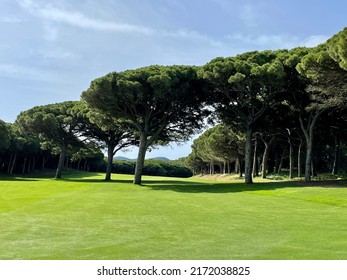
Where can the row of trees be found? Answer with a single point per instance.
(256, 93)
(221, 150)
(266, 92)
(23, 152)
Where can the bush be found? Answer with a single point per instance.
(153, 168)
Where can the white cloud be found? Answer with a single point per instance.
(78, 19)
(57, 53)
(277, 41)
(10, 19)
(193, 36)
(52, 14)
(314, 40)
(24, 72)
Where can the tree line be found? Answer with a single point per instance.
(267, 97)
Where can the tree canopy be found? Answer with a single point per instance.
(162, 103)
(56, 124)
(244, 86)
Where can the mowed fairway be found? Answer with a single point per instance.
(83, 217)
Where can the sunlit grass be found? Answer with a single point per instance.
(83, 217)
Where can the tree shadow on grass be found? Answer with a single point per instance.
(185, 186)
(18, 179)
(86, 180)
(169, 182)
(223, 187)
(233, 187)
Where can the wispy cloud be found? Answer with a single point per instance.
(57, 53)
(52, 14)
(24, 72)
(78, 19)
(10, 19)
(314, 40)
(193, 36)
(277, 41)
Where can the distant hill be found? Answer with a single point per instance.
(124, 158)
(130, 159)
(161, 158)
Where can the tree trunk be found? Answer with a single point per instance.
(308, 161)
(43, 162)
(85, 165)
(255, 158)
(9, 164)
(24, 164)
(110, 148)
(60, 163)
(237, 165)
(281, 161)
(29, 165)
(336, 156)
(248, 156)
(66, 164)
(79, 164)
(299, 159)
(13, 163)
(211, 168)
(266, 156)
(291, 158)
(140, 159)
(33, 166)
(308, 132)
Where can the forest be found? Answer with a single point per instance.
(268, 111)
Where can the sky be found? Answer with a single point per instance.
(50, 50)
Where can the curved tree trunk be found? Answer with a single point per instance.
(255, 162)
(309, 132)
(140, 159)
(266, 156)
(60, 163)
(265, 159)
(24, 164)
(248, 156)
(279, 169)
(291, 158)
(14, 159)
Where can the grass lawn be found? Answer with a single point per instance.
(83, 217)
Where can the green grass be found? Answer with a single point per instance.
(83, 217)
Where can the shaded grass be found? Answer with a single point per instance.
(84, 217)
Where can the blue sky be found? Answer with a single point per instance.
(50, 50)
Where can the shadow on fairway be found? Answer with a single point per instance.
(16, 179)
(146, 183)
(222, 187)
(86, 180)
